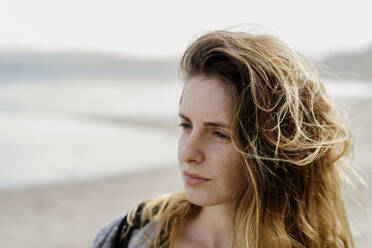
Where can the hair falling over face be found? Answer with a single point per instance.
(290, 136)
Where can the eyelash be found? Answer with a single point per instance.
(217, 134)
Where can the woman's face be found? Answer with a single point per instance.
(211, 168)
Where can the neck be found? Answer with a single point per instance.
(213, 226)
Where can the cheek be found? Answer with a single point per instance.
(231, 171)
(180, 144)
(240, 181)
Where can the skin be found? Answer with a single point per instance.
(207, 150)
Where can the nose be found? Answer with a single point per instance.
(190, 149)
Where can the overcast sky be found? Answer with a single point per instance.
(164, 28)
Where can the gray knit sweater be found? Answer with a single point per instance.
(107, 235)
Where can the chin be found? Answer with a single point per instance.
(202, 199)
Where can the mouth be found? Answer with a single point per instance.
(193, 179)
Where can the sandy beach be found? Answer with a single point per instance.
(69, 215)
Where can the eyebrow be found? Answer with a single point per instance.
(213, 124)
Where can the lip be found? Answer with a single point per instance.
(194, 179)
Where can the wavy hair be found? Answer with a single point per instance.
(292, 140)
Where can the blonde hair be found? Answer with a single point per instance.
(290, 136)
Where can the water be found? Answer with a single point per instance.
(82, 129)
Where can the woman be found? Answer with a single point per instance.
(260, 149)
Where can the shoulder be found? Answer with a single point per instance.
(126, 231)
(142, 237)
(118, 232)
(108, 236)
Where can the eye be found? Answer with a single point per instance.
(184, 125)
(221, 135)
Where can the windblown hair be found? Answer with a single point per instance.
(291, 138)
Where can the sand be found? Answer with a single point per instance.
(70, 215)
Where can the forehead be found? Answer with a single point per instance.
(207, 98)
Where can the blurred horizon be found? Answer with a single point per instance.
(32, 64)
